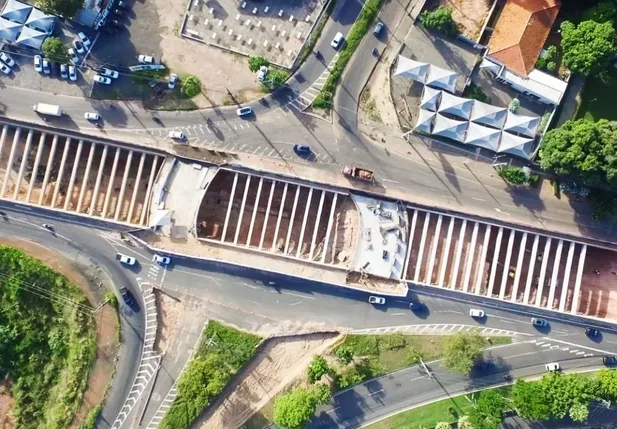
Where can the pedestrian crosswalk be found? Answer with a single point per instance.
(153, 272)
(304, 100)
(437, 329)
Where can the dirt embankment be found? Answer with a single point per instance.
(106, 326)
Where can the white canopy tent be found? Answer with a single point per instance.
(31, 37)
(489, 66)
(41, 21)
(450, 128)
(456, 106)
(425, 121)
(406, 67)
(526, 125)
(16, 11)
(442, 78)
(515, 145)
(430, 98)
(488, 114)
(481, 136)
(9, 30)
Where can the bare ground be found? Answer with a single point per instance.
(106, 324)
(170, 311)
(278, 363)
(6, 402)
(469, 14)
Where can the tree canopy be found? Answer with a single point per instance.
(604, 11)
(489, 409)
(461, 351)
(588, 47)
(439, 19)
(582, 149)
(190, 86)
(64, 8)
(293, 410)
(54, 49)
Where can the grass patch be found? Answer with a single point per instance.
(361, 26)
(308, 46)
(47, 345)
(598, 98)
(370, 106)
(221, 353)
(91, 417)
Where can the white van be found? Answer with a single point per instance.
(474, 312)
(552, 367)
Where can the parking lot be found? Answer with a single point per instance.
(275, 29)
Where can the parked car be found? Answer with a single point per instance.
(125, 259)
(117, 24)
(378, 300)
(262, 73)
(102, 79)
(110, 73)
(302, 149)
(38, 63)
(592, 332)
(161, 260)
(64, 71)
(176, 135)
(476, 313)
(5, 69)
(73, 55)
(79, 46)
(173, 80)
(72, 73)
(553, 366)
(118, 12)
(123, 5)
(378, 28)
(46, 68)
(127, 296)
(243, 111)
(92, 116)
(145, 59)
(84, 39)
(7, 59)
(539, 322)
(336, 42)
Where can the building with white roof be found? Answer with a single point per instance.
(430, 98)
(16, 11)
(526, 125)
(442, 78)
(481, 136)
(39, 20)
(406, 67)
(450, 128)
(9, 30)
(487, 114)
(425, 121)
(31, 37)
(515, 145)
(456, 106)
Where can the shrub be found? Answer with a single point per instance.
(317, 369)
(276, 77)
(256, 62)
(344, 354)
(439, 19)
(513, 175)
(190, 86)
(515, 104)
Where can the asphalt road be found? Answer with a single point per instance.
(83, 244)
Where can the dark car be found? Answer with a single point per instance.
(592, 332)
(416, 306)
(127, 296)
(109, 30)
(118, 12)
(302, 149)
(609, 360)
(117, 24)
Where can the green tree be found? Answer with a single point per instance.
(528, 399)
(603, 205)
(562, 392)
(461, 351)
(275, 78)
(64, 8)
(317, 369)
(579, 412)
(605, 11)
(607, 379)
(256, 62)
(465, 423)
(582, 149)
(439, 19)
(190, 86)
(54, 49)
(293, 410)
(489, 409)
(344, 354)
(588, 47)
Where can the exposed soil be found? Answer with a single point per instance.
(280, 361)
(6, 402)
(170, 311)
(469, 14)
(106, 325)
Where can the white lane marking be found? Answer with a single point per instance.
(251, 286)
(375, 393)
(398, 314)
(296, 294)
(296, 303)
(523, 354)
(578, 345)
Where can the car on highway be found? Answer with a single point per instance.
(92, 116)
(73, 55)
(145, 59)
(72, 73)
(46, 67)
(378, 28)
(609, 360)
(5, 69)
(592, 332)
(110, 73)
(127, 296)
(262, 73)
(37, 63)
(173, 81)
(161, 260)
(302, 149)
(552, 367)
(176, 135)
(84, 39)
(79, 46)
(125, 259)
(378, 300)
(102, 79)
(244, 111)
(7, 59)
(535, 321)
(64, 71)
(338, 39)
(476, 313)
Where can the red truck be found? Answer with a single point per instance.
(358, 173)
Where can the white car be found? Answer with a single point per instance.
(553, 366)
(262, 73)
(336, 42)
(376, 300)
(84, 39)
(79, 46)
(101, 79)
(243, 111)
(173, 80)
(38, 63)
(538, 322)
(73, 55)
(161, 260)
(474, 312)
(145, 59)
(110, 73)
(5, 69)
(91, 116)
(7, 60)
(176, 135)
(72, 73)
(125, 259)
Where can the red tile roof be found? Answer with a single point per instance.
(520, 33)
